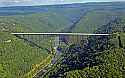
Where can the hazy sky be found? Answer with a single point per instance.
(45, 2)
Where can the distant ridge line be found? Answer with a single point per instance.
(59, 34)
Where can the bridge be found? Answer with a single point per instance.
(54, 39)
(58, 34)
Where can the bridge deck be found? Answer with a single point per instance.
(59, 34)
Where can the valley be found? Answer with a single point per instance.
(98, 56)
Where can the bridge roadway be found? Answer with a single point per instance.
(80, 34)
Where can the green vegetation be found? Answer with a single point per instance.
(93, 20)
(39, 22)
(17, 57)
(38, 67)
(113, 66)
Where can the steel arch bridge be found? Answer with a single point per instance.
(54, 39)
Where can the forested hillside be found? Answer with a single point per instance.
(79, 17)
(98, 56)
(17, 57)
